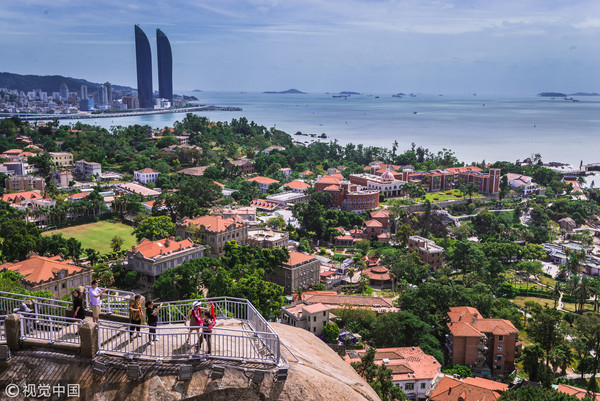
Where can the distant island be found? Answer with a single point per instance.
(585, 94)
(49, 83)
(551, 94)
(349, 93)
(196, 90)
(293, 91)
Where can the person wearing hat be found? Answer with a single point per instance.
(195, 318)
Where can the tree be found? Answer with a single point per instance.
(529, 268)
(529, 393)
(331, 332)
(116, 243)
(544, 329)
(531, 356)
(461, 370)
(92, 255)
(504, 187)
(154, 228)
(19, 239)
(588, 327)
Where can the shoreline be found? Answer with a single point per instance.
(34, 117)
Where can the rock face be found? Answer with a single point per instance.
(322, 375)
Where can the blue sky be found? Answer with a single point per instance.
(421, 46)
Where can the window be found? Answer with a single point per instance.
(498, 358)
(323, 313)
(64, 285)
(55, 288)
(500, 338)
(314, 329)
(409, 386)
(422, 386)
(500, 348)
(314, 318)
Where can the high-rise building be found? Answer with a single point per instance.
(143, 58)
(165, 66)
(108, 95)
(64, 91)
(83, 94)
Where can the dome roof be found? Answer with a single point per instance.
(387, 176)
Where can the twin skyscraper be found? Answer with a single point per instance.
(143, 57)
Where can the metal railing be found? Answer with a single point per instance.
(113, 301)
(42, 306)
(225, 308)
(50, 328)
(2, 328)
(171, 343)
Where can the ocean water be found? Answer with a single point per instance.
(476, 128)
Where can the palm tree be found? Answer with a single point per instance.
(558, 289)
(351, 272)
(582, 292)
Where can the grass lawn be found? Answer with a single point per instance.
(98, 235)
(520, 301)
(442, 196)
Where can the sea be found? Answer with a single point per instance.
(476, 128)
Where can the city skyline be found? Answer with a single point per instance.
(513, 47)
(164, 59)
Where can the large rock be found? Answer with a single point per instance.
(323, 375)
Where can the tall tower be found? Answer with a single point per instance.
(143, 58)
(64, 91)
(108, 95)
(84, 94)
(165, 66)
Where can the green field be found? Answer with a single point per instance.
(98, 235)
(447, 195)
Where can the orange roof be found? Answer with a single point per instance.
(463, 329)
(405, 362)
(468, 322)
(297, 258)
(378, 273)
(332, 188)
(380, 214)
(19, 196)
(306, 172)
(450, 389)
(264, 204)
(463, 169)
(153, 249)
(79, 195)
(296, 184)
(327, 298)
(13, 152)
(195, 171)
(489, 384)
(315, 308)
(575, 391)
(373, 223)
(146, 170)
(38, 269)
(219, 184)
(262, 180)
(330, 179)
(215, 224)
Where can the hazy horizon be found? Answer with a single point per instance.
(316, 46)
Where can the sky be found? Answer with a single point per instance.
(421, 46)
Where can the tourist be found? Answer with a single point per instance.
(195, 318)
(208, 323)
(78, 311)
(96, 300)
(135, 316)
(152, 317)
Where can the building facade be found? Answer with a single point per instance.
(263, 238)
(488, 345)
(143, 57)
(311, 317)
(62, 158)
(152, 258)
(213, 231)
(299, 271)
(84, 170)
(429, 252)
(51, 274)
(145, 175)
(165, 66)
(24, 183)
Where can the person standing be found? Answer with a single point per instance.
(152, 317)
(135, 316)
(195, 318)
(208, 322)
(96, 300)
(78, 311)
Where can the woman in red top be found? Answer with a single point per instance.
(195, 318)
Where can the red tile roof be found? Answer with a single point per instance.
(332, 188)
(262, 180)
(575, 391)
(351, 300)
(380, 214)
(296, 185)
(154, 249)
(468, 322)
(215, 224)
(20, 196)
(373, 223)
(38, 269)
(331, 179)
(146, 170)
(79, 195)
(378, 273)
(450, 389)
(297, 258)
(315, 308)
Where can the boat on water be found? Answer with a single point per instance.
(338, 96)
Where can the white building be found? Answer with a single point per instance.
(145, 175)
